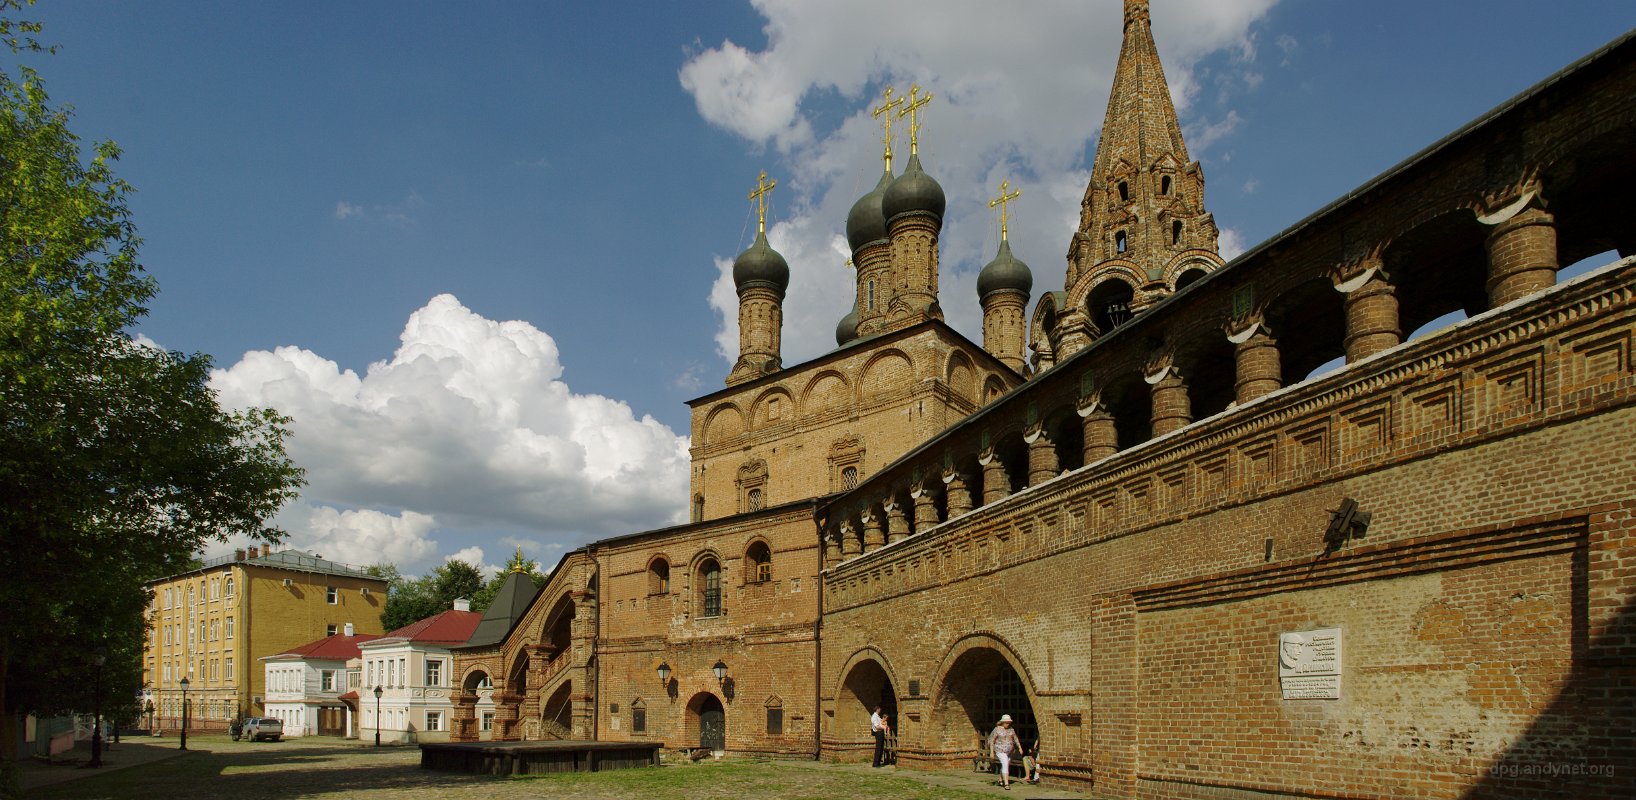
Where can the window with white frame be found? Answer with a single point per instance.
(434, 720)
(488, 721)
(332, 595)
(229, 627)
(403, 672)
(229, 586)
(330, 630)
(434, 672)
(228, 668)
(326, 680)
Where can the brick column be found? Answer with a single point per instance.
(925, 509)
(850, 546)
(506, 723)
(1171, 409)
(1256, 360)
(897, 523)
(996, 484)
(1521, 255)
(959, 496)
(832, 546)
(873, 536)
(463, 718)
(1101, 436)
(1042, 458)
(1371, 315)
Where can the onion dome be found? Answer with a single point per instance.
(1005, 273)
(913, 191)
(847, 330)
(866, 222)
(761, 265)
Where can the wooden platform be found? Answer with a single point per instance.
(524, 758)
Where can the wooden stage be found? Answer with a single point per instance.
(524, 758)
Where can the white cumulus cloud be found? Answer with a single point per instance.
(1019, 95)
(467, 425)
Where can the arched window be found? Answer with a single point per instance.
(1119, 242)
(849, 477)
(230, 586)
(759, 561)
(1124, 191)
(709, 588)
(754, 500)
(659, 577)
(1176, 232)
(871, 295)
(1164, 184)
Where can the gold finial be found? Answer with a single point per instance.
(763, 188)
(886, 109)
(913, 112)
(519, 567)
(849, 260)
(1002, 201)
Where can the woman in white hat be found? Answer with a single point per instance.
(1002, 743)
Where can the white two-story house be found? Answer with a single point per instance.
(415, 672)
(304, 685)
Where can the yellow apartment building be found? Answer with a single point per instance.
(212, 625)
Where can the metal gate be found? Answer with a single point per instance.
(712, 725)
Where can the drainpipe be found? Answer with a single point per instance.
(818, 654)
(596, 643)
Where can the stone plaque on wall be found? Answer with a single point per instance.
(1309, 664)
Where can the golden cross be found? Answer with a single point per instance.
(886, 109)
(913, 112)
(1003, 200)
(849, 263)
(763, 188)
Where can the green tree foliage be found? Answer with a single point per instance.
(485, 596)
(116, 463)
(412, 600)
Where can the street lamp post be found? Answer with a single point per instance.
(184, 713)
(96, 726)
(377, 716)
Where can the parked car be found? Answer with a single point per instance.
(259, 728)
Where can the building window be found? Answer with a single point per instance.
(871, 295)
(1119, 241)
(753, 500)
(191, 595)
(710, 588)
(403, 672)
(759, 559)
(326, 680)
(1164, 184)
(229, 627)
(639, 717)
(488, 721)
(167, 671)
(752, 482)
(330, 630)
(775, 721)
(229, 586)
(849, 477)
(659, 577)
(167, 635)
(434, 720)
(332, 595)
(201, 631)
(1176, 232)
(434, 672)
(1124, 191)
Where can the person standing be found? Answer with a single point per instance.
(877, 726)
(1002, 742)
(1031, 763)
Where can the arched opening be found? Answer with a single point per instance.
(708, 588)
(557, 715)
(1439, 267)
(659, 576)
(1189, 276)
(1175, 232)
(1130, 402)
(978, 688)
(559, 628)
(517, 682)
(758, 563)
(1211, 371)
(1119, 242)
(1590, 199)
(1164, 184)
(1012, 452)
(1124, 191)
(707, 717)
(1109, 304)
(867, 686)
(1309, 323)
(1067, 434)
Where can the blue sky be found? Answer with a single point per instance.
(568, 181)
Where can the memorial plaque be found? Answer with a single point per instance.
(1309, 664)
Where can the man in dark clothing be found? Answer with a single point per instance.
(877, 726)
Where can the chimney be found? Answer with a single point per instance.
(266, 550)
(348, 629)
(238, 555)
(462, 604)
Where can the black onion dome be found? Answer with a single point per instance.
(1005, 272)
(847, 330)
(913, 191)
(761, 265)
(866, 222)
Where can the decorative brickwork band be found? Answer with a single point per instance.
(1522, 256)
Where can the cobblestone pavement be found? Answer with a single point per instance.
(215, 766)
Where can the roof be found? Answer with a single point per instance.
(448, 627)
(508, 607)
(293, 560)
(339, 647)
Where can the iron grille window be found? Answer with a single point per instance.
(711, 572)
(1007, 696)
(849, 478)
(755, 500)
